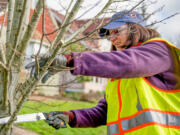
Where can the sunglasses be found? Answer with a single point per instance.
(109, 33)
(116, 32)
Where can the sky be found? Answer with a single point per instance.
(169, 29)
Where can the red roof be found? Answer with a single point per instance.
(58, 14)
(93, 26)
(1, 19)
(49, 26)
(74, 27)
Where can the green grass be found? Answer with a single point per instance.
(43, 128)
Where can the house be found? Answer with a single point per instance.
(3, 4)
(97, 83)
(53, 20)
(34, 43)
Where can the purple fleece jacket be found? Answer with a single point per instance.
(153, 60)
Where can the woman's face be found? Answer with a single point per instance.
(119, 37)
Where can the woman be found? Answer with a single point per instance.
(142, 94)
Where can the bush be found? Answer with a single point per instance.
(88, 97)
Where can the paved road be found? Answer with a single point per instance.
(22, 131)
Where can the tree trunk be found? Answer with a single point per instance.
(8, 103)
(13, 94)
(3, 132)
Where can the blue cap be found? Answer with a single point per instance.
(122, 18)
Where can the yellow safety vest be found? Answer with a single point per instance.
(136, 107)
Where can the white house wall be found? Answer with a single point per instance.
(31, 50)
(51, 87)
(97, 84)
(36, 47)
(105, 45)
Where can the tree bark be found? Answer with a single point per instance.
(8, 104)
(10, 101)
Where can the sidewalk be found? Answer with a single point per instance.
(21, 131)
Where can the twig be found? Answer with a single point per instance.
(31, 27)
(17, 35)
(5, 89)
(61, 85)
(3, 65)
(94, 6)
(10, 19)
(88, 23)
(60, 3)
(156, 22)
(43, 29)
(67, 10)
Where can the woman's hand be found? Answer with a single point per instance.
(57, 65)
(59, 119)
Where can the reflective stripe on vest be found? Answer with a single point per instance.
(148, 117)
(136, 107)
(113, 129)
(152, 117)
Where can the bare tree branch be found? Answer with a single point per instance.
(58, 43)
(61, 85)
(94, 6)
(18, 11)
(69, 7)
(26, 38)
(67, 42)
(5, 89)
(20, 30)
(10, 19)
(69, 17)
(62, 6)
(3, 65)
(154, 12)
(160, 21)
(30, 84)
(43, 30)
(88, 23)
(31, 28)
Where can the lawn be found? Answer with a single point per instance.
(43, 128)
